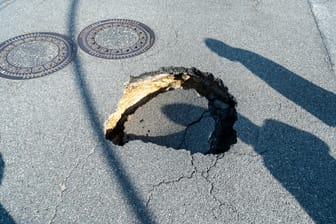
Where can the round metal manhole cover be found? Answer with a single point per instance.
(34, 55)
(116, 39)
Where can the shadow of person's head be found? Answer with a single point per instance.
(180, 112)
(222, 49)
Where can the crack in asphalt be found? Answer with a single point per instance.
(167, 182)
(205, 175)
(189, 126)
(214, 164)
(63, 184)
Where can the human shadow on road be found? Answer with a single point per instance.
(5, 217)
(319, 102)
(299, 160)
(133, 199)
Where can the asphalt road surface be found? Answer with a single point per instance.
(276, 57)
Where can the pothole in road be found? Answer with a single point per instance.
(179, 119)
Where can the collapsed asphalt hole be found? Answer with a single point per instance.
(142, 89)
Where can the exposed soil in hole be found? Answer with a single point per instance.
(142, 89)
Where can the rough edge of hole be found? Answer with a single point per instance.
(141, 89)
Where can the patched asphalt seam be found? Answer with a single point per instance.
(63, 184)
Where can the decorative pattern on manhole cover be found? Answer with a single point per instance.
(116, 39)
(34, 55)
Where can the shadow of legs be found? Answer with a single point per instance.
(300, 161)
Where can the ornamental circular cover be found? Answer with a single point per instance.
(34, 55)
(116, 39)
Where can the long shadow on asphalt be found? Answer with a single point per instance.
(319, 102)
(5, 217)
(299, 160)
(119, 174)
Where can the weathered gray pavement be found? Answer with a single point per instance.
(277, 59)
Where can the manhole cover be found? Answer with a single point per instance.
(116, 39)
(34, 55)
